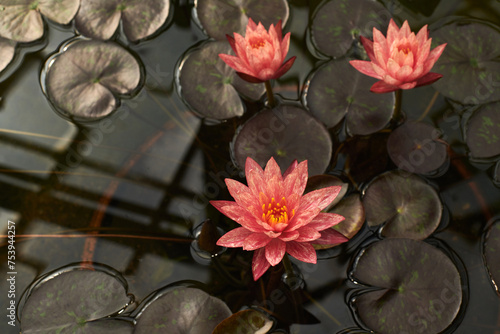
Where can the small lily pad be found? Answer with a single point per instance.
(336, 24)
(181, 310)
(412, 277)
(246, 321)
(352, 209)
(482, 132)
(84, 79)
(286, 133)
(470, 63)
(337, 90)
(404, 204)
(210, 87)
(416, 148)
(140, 18)
(222, 17)
(7, 51)
(491, 249)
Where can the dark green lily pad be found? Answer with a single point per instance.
(482, 132)
(76, 299)
(419, 287)
(416, 148)
(21, 20)
(470, 63)
(223, 17)
(7, 51)
(181, 310)
(84, 79)
(210, 87)
(140, 18)
(404, 204)
(286, 133)
(491, 249)
(336, 24)
(337, 89)
(246, 321)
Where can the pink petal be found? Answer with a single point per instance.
(244, 197)
(405, 30)
(428, 79)
(307, 234)
(284, 68)
(365, 67)
(240, 48)
(255, 241)
(379, 70)
(423, 52)
(251, 24)
(259, 263)
(392, 67)
(236, 64)
(403, 73)
(382, 87)
(302, 218)
(330, 237)
(290, 168)
(422, 35)
(302, 251)
(296, 180)
(408, 85)
(325, 220)
(380, 48)
(368, 45)
(284, 46)
(278, 30)
(391, 80)
(289, 236)
(232, 43)
(272, 170)
(240, 215)
(392, 32)
(234, 238)
(255, 177)
(275, 251)
(320, 198)
(249, 78)
(433, 57)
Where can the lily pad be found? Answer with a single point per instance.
(336, 24)
(210, 87)
(286, 133)
(76, 298)
(181, 310)
(412, 277)
(482, 132)
(85, 77)
(416, 148)
(21, 20)
(246, 321)
(7, 51)
(337, 90)
(404, 204)
(140, 18)
(222, 17)
(491, 249)
(470, 63)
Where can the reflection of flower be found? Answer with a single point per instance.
(401, 61)
(276, 218)
(260, 54)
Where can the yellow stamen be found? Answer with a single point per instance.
(276, 212)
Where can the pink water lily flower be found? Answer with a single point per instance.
(403, 60)
(276, 217)
(260, 55)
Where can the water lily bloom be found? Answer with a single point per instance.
(276, 217)
(260, 54)
(401, 61)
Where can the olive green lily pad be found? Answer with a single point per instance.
(491, 249)
(246, 321)
(482, 132)
(7, 52)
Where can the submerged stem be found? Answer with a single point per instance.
(270, 96)
(290, 274)
(397, 103)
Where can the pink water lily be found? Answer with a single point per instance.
(260, 55)
(276, 218)
(403, 60)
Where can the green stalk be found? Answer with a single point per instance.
(397, 104)
(270, 96)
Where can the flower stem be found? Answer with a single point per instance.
(397, 104)
(270, 96)
(290, 274)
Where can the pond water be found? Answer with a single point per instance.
(139, 180)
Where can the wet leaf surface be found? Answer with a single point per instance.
(491, 250)
(349, 96)
(246, 321)
(210, 87)
(7, 51)
(409, 207)
(412, 277)
(482, 132)
(221, 17)
(286, 133)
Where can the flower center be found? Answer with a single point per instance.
(258, 44)
(276, 212)
(405, 48)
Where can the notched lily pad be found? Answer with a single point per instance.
(416, 148)
(491, 251)
(336, 24)
(470, 63)
(210, 87)
(181, 310)
(246, 321)
(7, 51)
(221, 17)
(409, 207)
(286, 133)
(140, 18)
(412, 277)
(85, 78)
(76, 298)
(482, 132)
(337, 90)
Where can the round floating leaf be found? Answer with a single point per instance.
(246, 321)
(337, 89)
(470, 63)
(72, 299)
(482, 132)
(221, 17)
(181, 310)
(210, 87)
(7, 51)
(491, 250)
(140, 18)
(409, 207)
(83, 79)
(322, 181)
(419, 287)
(286, 133)
(496, 174)
(337, 23)
(416, 148)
